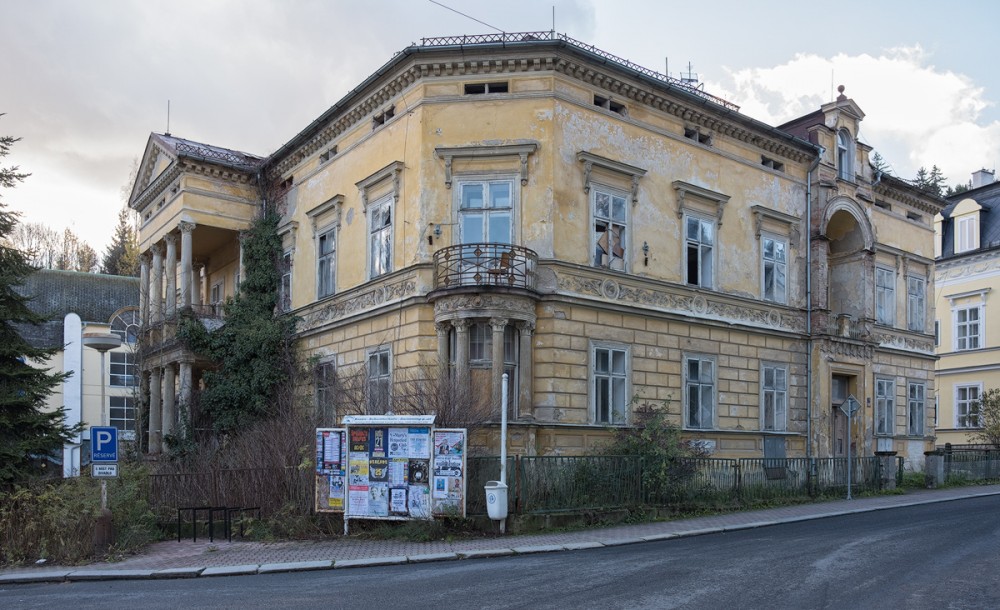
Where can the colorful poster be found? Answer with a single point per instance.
(440, 487)
(397, 500)
(379, 442)
(359, 440)
(398, 472)
(378, 470)
(378, 500)
(336, 494)
(448, 466)
(418, 443)
(358, 471)
(399, 446)
(419, 472)
(331, 450)
(447, 443)
(419, 502)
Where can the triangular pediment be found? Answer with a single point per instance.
(156, 159)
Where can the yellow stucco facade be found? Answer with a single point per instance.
(605, 235)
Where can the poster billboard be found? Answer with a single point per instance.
(331, 462)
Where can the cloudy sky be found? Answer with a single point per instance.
(83, 83)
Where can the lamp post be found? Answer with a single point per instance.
(102, 342)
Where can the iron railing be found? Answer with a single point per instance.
(972, 465)
(526, 37)
(226, 157)
(501, 265)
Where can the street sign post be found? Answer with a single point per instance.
(104, 443)
(849, 407)
(104, 471)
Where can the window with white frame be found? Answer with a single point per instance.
(216, 296)
(967, 413)
(324, 381)
(486, 210)
(885, 296)
(285, 290)
(775, 265)
(380, 236)
(915, 401)
(379, 381)
(121, 415)
(968, 330)
(610, 375)
(885, 406)
(699, 235)
(699, 390)
(845, 156)
(916, 310)
(480, 335)
(966, 233)
(610, 224)
(125, 324)
(774, 396)
(326, 263)
(123, 370)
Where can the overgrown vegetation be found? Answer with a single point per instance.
(988, 407)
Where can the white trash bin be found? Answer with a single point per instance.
(496, 500)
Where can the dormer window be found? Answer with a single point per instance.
(966, 234)
(845, 156)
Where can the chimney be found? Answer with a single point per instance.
(981, 178)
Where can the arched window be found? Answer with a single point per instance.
(125, 324)
(845, 156)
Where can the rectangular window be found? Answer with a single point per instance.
(325, 379)
(885, 296)
(916, 312)
(966, 232)
(774, 390)
(483, 88)
(885, 407)
(326, 264)
(216, 296)
(285, 290)
(610, 371)
(609, 228)
(379, 381)
(123, 370)
(700, 240)
(775, 268)
(967, 329)
(121, 415)
(380, 233)
(967, 413)
(915, 396)
(699, 380)
(486, 211)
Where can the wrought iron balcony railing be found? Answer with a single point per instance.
(485, 265)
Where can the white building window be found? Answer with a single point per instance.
(916, 310)
(610, 225)
(885, 296)
(966, 234)
(885, 407)
(845, 156)
(285, 290)
(610, 384)
(123, 370)
(699, 392)
(915, 397)
(326, 263)
(967, 414)
(125, 324)
(121, 415)
(379, 381)
(774, 396)
(968, 330)
(699, 251)
(774, 273)
(486, 210)
(380, 236)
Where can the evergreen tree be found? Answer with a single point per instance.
(922, 180)
(880, 164)
(26, 430)
(937, 180)
(122, 254)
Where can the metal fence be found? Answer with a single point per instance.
(972, 465)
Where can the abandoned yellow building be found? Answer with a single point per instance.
(606, 235)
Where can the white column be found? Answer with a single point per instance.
(155, 413)
(186, 391)
(170, 264)
(144, 289)
(169, 398)
(462, 350)
(525, 374)
(498, 325)
(156, 286)
(442, 335)
(187, 281)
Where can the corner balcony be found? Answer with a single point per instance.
(478, 265)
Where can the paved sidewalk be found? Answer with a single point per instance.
(189, 559)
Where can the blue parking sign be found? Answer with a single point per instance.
(104, 443)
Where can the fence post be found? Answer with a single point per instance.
(934, 468)
(517, 483)
(738, 482)
(811, 474)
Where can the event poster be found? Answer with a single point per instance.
(399, 446)
(397, 500)
(447, 472)
(418, 502)
(417, 442)
(331, 474)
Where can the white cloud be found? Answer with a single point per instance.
(916, 114)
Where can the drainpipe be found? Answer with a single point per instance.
(809, 339)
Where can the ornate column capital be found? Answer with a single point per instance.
(498, 324)
(461, 325)
(186, 227)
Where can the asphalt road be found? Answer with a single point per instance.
(941, 555)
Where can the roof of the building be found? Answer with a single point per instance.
(183, 147)
(988, 197)
(93, 297)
